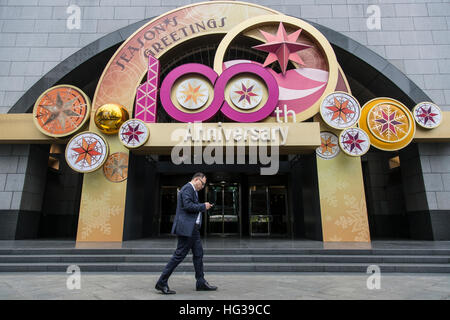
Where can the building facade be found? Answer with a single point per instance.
(389, 49)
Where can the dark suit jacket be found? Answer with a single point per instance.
(188, 208)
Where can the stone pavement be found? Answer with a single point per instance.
(236, 286)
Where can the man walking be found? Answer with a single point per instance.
(186, 226)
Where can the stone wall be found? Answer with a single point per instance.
(23, 171)
(435, 165)
(384, 196)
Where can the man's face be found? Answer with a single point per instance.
(199, 183)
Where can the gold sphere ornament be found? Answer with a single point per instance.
(109, 117)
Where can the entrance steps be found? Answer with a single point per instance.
(227, 260)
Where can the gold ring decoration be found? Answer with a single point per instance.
(427, 115)
(134, 133)
(86, 152)
(61, 110)
(319, 70)
(354, 142)
(388, 123)
(340, 110)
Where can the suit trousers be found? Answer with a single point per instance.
(184, 245)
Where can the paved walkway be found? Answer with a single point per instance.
(239, 286)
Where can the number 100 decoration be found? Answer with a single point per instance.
(245, 92)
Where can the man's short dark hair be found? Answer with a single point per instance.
(198, 175)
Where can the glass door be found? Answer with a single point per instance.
(224, 217)
(260, 220)
(230, 210)
(215, 214)
(268, 210)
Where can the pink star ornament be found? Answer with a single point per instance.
(282, 47)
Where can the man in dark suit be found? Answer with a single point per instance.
(186, 226)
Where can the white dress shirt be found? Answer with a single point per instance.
(199, 214)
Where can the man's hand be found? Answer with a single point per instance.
(208, 205)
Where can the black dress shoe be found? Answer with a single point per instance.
(164, 289)
(205, 286)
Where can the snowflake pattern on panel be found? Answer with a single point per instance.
(100, 214)
(356, 218)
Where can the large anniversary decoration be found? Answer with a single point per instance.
(247, 91)
(297, 76)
